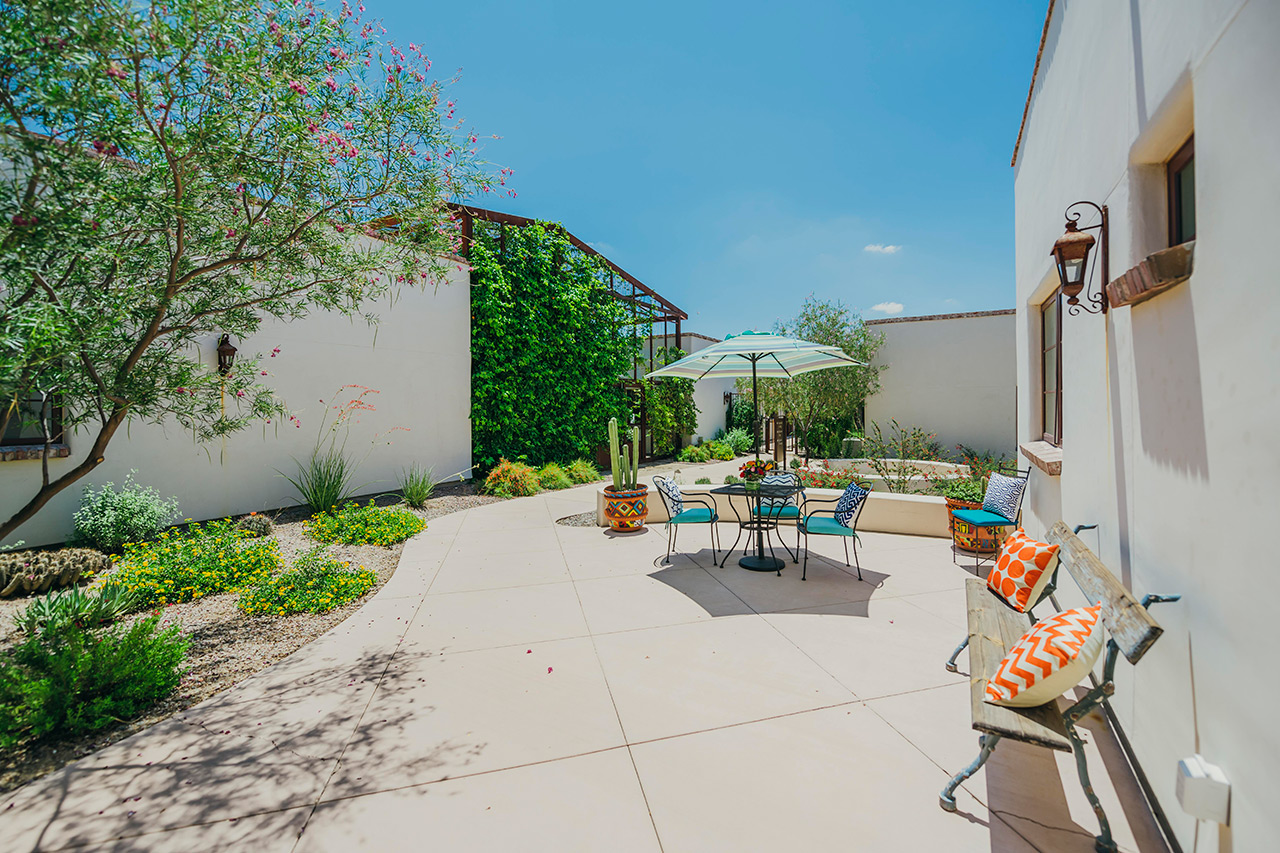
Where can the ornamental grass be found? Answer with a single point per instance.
(316, 583)
(182, 565)
(368, 524)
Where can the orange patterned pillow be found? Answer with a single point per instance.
(1023, 571)
(1050, 659)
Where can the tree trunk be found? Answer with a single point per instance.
(49, 490)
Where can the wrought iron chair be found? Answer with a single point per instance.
(1001, 507)
(776, 509)
(843, 522)
(674, 501)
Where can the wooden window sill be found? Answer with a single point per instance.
(17, 452)
(1044, 455)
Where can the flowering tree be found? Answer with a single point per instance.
(181, 168)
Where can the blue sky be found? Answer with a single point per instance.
(739, 156)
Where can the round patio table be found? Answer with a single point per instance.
(757, 522)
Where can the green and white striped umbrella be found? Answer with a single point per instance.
(757, 354)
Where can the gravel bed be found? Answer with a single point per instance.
(582, 519)
(225, 645)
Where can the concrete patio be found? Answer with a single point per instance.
(523, 685)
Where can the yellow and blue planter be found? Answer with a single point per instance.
(626, 509)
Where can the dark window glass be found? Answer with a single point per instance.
(1182, 194)
(1051, 368)
(24, 424)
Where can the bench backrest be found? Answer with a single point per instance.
(1129, 623)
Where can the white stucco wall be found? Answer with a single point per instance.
(420, 362)
(949, 374)
(1170, 406)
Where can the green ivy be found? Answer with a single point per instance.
(549, 344)
(669, 406)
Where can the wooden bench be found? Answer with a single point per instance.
(994, 628)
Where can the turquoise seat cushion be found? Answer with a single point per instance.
(823, 526)
(695, 515)
(981, 518)
(777, 511)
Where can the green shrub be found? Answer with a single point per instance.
(75, 607)
(182, 565)
(368, 524)
(582, 471)
(694, 453)
(551, 477)
(739, 439)
(324, 480)
(417, 484)
(511, 480)
(316, 583)
(730, 479)
(960, 489)
(107, 519)
(702, 481)
(720, 450)
(38, 571)
(256, 524)
(73, 681)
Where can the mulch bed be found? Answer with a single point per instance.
(227, 646)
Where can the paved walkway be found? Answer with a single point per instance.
(526, 686)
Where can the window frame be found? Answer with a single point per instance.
(1054, 437)
(1173, 207)
(55, 428)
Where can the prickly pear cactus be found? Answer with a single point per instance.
(27, 572)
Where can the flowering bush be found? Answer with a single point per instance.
(757, 469)
(182, 565)
(827, 478)
(354, 524)
(721, 450)
(511, 480)
(316, 583)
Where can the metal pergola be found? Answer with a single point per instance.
(648, 307)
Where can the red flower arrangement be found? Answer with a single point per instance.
(757, 469)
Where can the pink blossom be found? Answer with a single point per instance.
(239, 393)
(231, 232)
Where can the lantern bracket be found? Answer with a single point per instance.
(1096, 303)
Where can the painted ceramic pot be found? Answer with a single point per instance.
(626, 509)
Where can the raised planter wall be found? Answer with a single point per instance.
(885, 512)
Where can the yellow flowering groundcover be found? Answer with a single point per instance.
(182, 565)
(314, 584)
(353, 524)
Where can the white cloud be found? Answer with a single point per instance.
(887, 308)
(882, 249)
(603, 248)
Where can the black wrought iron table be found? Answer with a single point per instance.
(760, 523)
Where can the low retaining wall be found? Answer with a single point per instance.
(885, 512)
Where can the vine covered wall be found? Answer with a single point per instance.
(548, 346)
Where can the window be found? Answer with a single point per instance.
(1181, 178)
(24, 424)
(1051, 368)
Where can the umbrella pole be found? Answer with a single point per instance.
(755, 407)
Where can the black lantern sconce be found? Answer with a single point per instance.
(1071, 256)
(226, 355)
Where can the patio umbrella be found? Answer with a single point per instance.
(757, 354)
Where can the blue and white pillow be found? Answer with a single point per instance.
(779, 480)
(675, 500)
(849, 502)
(1004, 496)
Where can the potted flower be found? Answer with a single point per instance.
(967, 493)
(626, 503)
(754, 471)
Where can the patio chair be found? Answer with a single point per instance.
(674, 501)
(1001, 507)
(843, 522)
(776, 509)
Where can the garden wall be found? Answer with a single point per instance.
(949, 374)
(419, 360)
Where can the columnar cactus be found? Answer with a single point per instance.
(38, 571)
(625, 461)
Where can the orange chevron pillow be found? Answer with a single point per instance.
(1050, 659)
(1023, 570)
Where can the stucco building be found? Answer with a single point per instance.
(1155, 420)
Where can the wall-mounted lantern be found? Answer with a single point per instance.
(226, 355)
(1071, 256)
